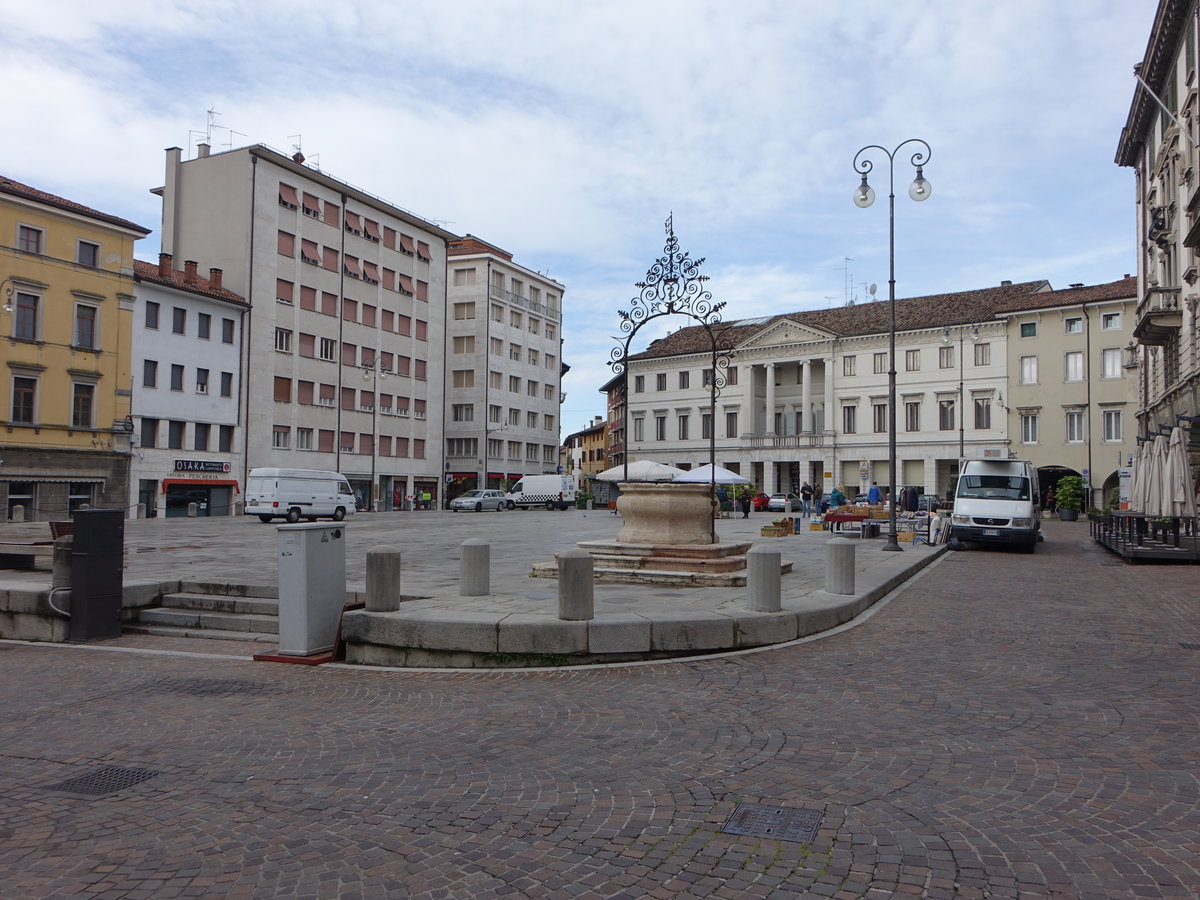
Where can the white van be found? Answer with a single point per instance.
(550, 491)
(293, 494)
(997, 501)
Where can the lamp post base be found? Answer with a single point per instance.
(892, 544)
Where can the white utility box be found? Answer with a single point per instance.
(312, 586)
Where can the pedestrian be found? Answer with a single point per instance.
(873, 495)
(426, 499)
(745, 503)
(1050, 499)
(806, 495)
(837, 498)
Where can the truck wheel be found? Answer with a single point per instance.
(550, 504)
(339, 514)
(266, 519)
(293, 515)
(511, 505)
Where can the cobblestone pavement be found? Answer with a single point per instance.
(1007, 726)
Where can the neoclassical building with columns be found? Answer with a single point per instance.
(806, 397)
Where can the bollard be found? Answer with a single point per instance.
(192, 509)
(576, 593)
(475, 570)
(18, 514)
(383, 578)
(763, 577)
(141, 510)
(60, 572)
(589, 505)
(239, 507)
(839, 566)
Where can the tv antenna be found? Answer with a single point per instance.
(847, 280)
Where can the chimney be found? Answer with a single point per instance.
(1078, 285)
(189, 271)
(214, 278)
(202, 150)
(1006, 283)
(164, 265)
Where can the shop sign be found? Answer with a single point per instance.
(201, 465)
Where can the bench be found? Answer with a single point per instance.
(24, 554)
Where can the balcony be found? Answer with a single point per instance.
(1159, 316)
(499, 293)
(778, 441)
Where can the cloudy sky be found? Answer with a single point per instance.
(567, 131)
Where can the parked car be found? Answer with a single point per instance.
(760, 501)
(778, 502)
(479, 500)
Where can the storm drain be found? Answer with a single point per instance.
(1189, 645)
(783, 823)
(102, 781)
(209, 687)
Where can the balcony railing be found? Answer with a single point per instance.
(1159, 315)
(773, 441)
(499, 293)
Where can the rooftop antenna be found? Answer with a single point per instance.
(212, 120)
(829, 298)
(847, 280)
(298, 156)
(231, 134)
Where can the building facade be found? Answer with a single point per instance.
(1159, 142)
(586, 451)
(345, 340)
(66, 278)
(503, 368)
(187, 365)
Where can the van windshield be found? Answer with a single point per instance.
(993, 487)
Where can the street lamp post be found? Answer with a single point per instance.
(864, 196)
(374, 373)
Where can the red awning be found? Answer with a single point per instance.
(288, 193)
(370, 271)
(352, 265)
(352, 221)
(311, 202)
(423, 250)
(201, 482)
(406, 283)
(373, 230)
(407, 243)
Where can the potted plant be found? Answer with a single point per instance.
(1068, 495)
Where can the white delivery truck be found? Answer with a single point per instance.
(996, 501)
(550, 491)
(293, 494)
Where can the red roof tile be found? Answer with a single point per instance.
(17, 189)
(145, 271)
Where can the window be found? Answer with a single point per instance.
(149, 373)
(516, 319)
(225, 438)
(494, 413)
(286, 244)
(1029, 329)
(983, 412)
(283, 340)
(514, 384)
(203, 326)
(464, 310)
(983, 354)
(1074, 426)
(548, 422)
(202, 381)
(912, 415)
(514, 416)
(25, 322)
(639, 384)
(660, 381)
(535, 325)
(1074, 325)
(1110, 321)
(176, 377)
(879, 422)
(497, 312)
(945, 357)
(226, 384)
(200, 435)
(497, 347)
(1074, 365)
(1029, 428)
(534, 357)
(849, 419)
(848, 365)
(683, 427)
(227, 331)
(1029, 370)
(531, 420)
(550, 330)
(179, 320)
(464, 278)
(24, 397)
(495, 381)
(29, 239)
(328, 348)
(149, 432)
(175, 435)
(464, 343)
(879, 361)
(463, 412)
(1112, 424)
(304, 438)
(660, 428)
(85, 327)
(151, 320)
(464, 378)
(731, 424)
(639, 429)
(1112, 363)
(912, 360)
(531, 388)
(548, 392)
(88, 254)
(946, 415)
(281, 437)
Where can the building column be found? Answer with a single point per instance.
(770, 423)
(806, 415)
(829, 410)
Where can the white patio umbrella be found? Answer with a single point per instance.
(708, 474)
(640, 470)
(1180, 499)
(1135, 479)
(1156, 464)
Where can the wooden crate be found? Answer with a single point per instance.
(773, 531)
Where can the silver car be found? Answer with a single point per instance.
(778, 502)
(479, 500)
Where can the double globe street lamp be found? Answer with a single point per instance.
(864, 196)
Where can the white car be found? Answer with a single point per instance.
(479, 500)
(779, 502)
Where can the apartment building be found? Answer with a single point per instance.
(187, 363)
(504, 368)
(1160, 143)
(66, 279)
(806, 394)
(345, 338)
(585, 452)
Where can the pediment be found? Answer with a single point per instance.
(785, 331)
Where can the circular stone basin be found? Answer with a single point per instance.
(665, 513)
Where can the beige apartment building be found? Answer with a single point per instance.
(345, 347)
(585, 452)
(504, 368)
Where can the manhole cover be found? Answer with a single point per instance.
(784, 823)
(101, 781)
(208, 687)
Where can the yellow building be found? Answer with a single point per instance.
(66, 279)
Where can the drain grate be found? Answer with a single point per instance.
(209, 687)
(101, 781)
(784, 823)
(1189, 645)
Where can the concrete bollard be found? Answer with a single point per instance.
(60, 572)
(763, 578)
(18, 514)
(141, 510)
(576, 592)
(383, 578)
(238, 507)
(475, 570)
(839, 566)
(589, 505)
(193, 508)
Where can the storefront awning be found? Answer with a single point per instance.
(201, 482)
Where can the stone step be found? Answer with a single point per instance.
(659, 576)
(670, 563)
(222, 589)
(222, 603)
(209, 633)
(204, 620)
(677, 551)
